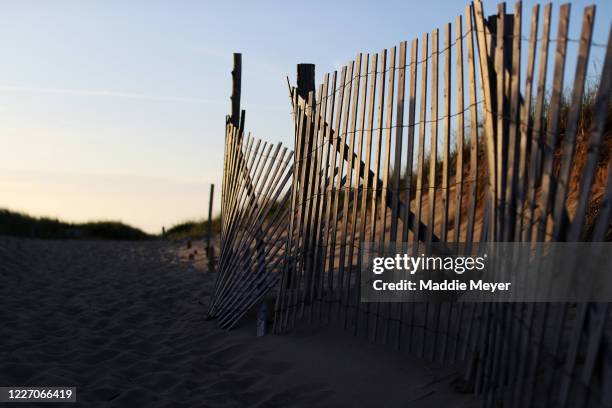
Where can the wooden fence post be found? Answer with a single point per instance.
(210, 251)
(305, 84)
(236, 87)
(305, 79)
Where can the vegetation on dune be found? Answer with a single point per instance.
(192, 229)
(22, 225)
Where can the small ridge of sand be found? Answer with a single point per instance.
(126, 324)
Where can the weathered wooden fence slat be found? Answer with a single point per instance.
(536, 137)
(343, 288)
(366, 183)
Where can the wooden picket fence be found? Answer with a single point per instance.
(495, 154)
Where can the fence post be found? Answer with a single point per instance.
(236, 87)
(210, 251)
(305, 79)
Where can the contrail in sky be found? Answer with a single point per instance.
(95, 92)
(130, 95)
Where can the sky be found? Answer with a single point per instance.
(115, 110)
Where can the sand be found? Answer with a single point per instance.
(126, 324)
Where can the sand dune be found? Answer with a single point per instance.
(126, 324)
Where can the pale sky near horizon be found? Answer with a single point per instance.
(116, 109)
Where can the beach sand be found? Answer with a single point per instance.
(126, 324)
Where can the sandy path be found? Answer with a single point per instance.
(125, 323)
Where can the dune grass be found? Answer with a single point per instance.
(23, 225)
(192, 229)
(18, 224)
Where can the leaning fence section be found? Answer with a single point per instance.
(255, 197)
(464, 135)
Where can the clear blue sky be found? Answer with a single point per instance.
(115, 109)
